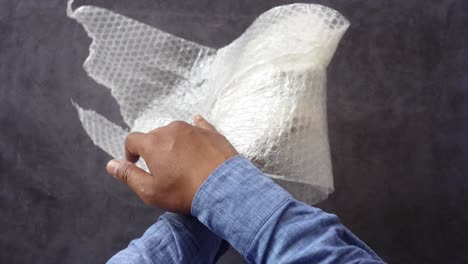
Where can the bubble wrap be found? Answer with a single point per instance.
(266, 91)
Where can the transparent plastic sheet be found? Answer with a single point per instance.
(266, 91)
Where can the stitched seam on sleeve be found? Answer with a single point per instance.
(263, 223)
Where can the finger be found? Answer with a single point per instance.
(201, 122)
(138, 180)
(134, 144)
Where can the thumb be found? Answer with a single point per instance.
(130, 174)
(201, 122)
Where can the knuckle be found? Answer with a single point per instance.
(155, 131)
(153, 138)
(129, 138)
(124, 172)
(178, 124)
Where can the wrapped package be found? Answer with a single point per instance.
(266, 91)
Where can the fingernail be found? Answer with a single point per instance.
(198, 117)
(112, 167)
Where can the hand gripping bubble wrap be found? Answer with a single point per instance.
(266, 91)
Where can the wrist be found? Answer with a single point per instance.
(235, 200)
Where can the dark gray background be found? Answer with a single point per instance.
(397, 112)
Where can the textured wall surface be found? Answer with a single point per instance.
(397, 113)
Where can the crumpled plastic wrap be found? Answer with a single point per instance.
(266, 91)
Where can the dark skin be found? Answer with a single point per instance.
(179, 156)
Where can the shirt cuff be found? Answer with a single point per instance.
(236, 200)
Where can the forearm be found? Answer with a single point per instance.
(298, 233)
(266, 225)
(172, 239)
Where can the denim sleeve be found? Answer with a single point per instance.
(173, 239)
(267, 225)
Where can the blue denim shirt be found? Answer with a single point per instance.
(240, 205)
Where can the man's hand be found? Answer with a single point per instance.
(179, 156)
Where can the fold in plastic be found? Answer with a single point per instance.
(266, 91)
